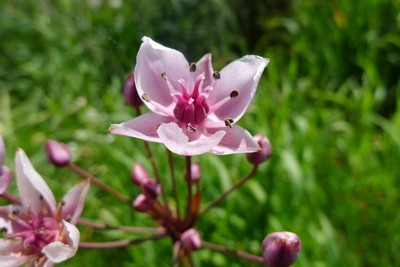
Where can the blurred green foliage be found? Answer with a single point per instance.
(328, 102)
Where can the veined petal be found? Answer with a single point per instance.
(152, 61)
(13, 260)
(74, 201)
(143, 127)
(236, 140)
(31, 186)
(204, 66)
(5, 178)
(235, 89)
(58, 251)
(178, 142)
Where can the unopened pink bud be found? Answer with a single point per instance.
(151, 189)
(130, 92)
(265, 150)
(280, 249)
(190, 240)
(139, 175)
(195, 173)
(5, 178)
(57, 153)
(142, 203)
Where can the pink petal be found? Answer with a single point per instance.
(204, 66)
(236, 87)
(10, 253)
(178, 142)
(153, 59)
(58, 251)
(74, 201)
(236, 140)
(32, 188)
(143, 127)
(5, 178)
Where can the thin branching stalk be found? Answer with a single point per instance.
(174, 188)
(189, 187)
(154, 166)
(243, 255)
(129, 229)
(11, 198)
(84, 174)
(118, 243)
(226, 193)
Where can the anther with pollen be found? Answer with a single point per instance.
(234, 93)
(164, 76)
(228, 123)
(191, 128)
(217, 75)
(192, 67)
(146, 98)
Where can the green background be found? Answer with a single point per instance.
(328, 101)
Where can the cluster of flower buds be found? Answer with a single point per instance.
(150, 188)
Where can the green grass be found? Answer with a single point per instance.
(328, 101)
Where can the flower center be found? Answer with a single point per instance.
(192, 109)
(36, 231)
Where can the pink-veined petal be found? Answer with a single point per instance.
(236, 140)
(5, 178)
(153, 60)
(10, 253)
(204, 66)
(33, 190)
(178, 142)
(73, 202)
(235, 89)
(143, 127)
(58, 251)
(13, 260)
(2, 151)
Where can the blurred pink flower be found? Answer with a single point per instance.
(194, 108)
(5, 173)
(39, 232)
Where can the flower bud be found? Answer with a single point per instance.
(195, 175)
(142, 203)
(190, 240)
(280, 249)
(57, 153)
(130, 92)
(5, 178)
(139, 175)
(265, 150)
(151, 189)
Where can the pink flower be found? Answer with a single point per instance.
(194, 108)
(39, 232)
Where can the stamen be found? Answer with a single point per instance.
(228, 123)
(217, 75)
(192, 67)
(234, 93)
(146, 98)
(164, 76)
(191, 128)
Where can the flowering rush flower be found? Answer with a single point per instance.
(39, 232)
(194, 108)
